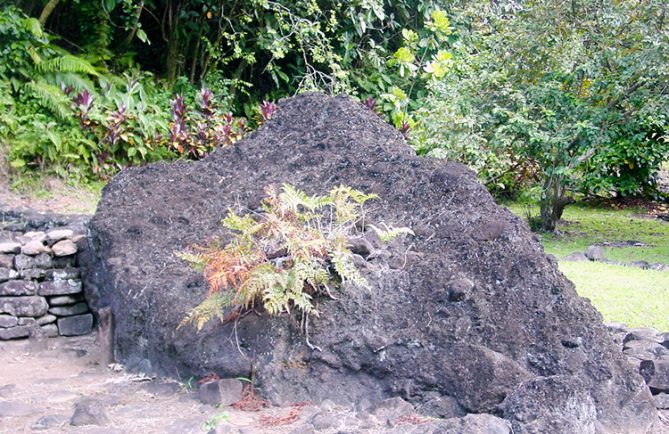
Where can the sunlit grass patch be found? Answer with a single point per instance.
(636, 297)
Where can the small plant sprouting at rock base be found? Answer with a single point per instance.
(296, 249)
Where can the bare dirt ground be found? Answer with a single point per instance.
(41, 380)
(54, 196)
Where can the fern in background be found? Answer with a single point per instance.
(37, 126)
(36, 68)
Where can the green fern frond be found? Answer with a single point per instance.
(293, 198)
(343, 193)
(195, 260)
(346, 211)
(50, 97)
(342, 261)
(276, 300)
(74, 80)
(245, 224)
(67, 63)
(212, 307)
(262, 277)
(33, 26)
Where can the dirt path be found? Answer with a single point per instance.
(54, 196)
(40, 382)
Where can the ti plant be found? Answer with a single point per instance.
(267, 110)
(282, 258)
(194, 134)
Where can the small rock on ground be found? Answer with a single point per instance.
(89, 411)
(222, 392)
(49, 422)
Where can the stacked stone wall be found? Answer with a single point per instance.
(41, 290)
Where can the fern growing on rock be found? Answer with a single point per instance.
(282, 258)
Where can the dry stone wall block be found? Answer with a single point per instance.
(64, 248)
(23, 262)
(33, 306)
(6, 261)
(8, 321)
(56, 235)
(60, 287)
(15, 332)
(7, 274)
(63, 274)
(34, 248)
(10, 247)
(75, 309)
(50, 330)
(64, 261)
(75, 325)
(43, 260)
(46, 319)
(26, 321)
(18, 287)
(659, 380)
(32, 237)
(32, 274)
(62, 300)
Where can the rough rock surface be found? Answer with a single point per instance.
(470, 308)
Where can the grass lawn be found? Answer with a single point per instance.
(636, 297)
(622, 294)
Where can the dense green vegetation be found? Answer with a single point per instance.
(552, 99)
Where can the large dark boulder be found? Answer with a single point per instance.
(470, 308)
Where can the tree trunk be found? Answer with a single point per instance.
(172, 60)
(46, 12)
(170, 29)
(553, 202)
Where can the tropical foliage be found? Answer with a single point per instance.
(560, 97)
(570, 95)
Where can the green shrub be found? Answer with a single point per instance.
(629, 164)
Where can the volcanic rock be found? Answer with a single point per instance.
(10, 247)
(64, 248)
(7, 274)
(222, 392)
(75, 325)
(481, 315)
(18, 287)
(6, 261)
(58, 234)
(89, 411)
(8, 321)
(60, 287)
(33, 248)
(23, 306)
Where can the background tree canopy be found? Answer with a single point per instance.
(556, 98)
